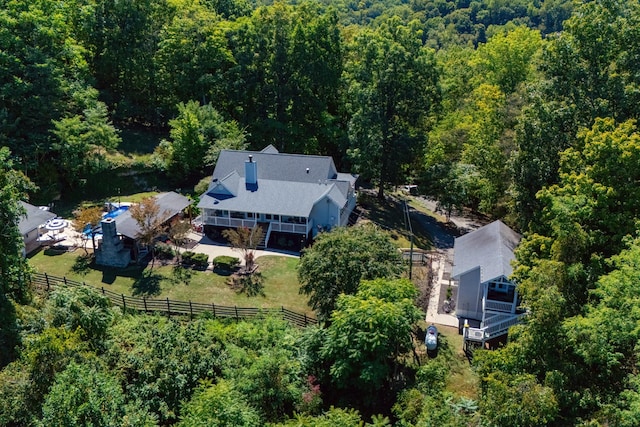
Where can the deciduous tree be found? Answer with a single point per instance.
(83, 142)
(85, 222)
(150, 222)
(198, 135)
(369, 331)
(393, 89)
(340, 259)
(245, 240)
(220, 405)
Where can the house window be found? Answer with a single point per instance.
(250, 214)
(237, 215)
(267, 217)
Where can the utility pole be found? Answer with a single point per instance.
(410, 228)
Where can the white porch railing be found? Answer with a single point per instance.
(230, 222)
(288, 227)
(499, 306)
(491, 329)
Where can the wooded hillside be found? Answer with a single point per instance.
(521, 110)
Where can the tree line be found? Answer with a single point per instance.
(535, 125)
(381, 95)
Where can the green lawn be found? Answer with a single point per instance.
(280, 281)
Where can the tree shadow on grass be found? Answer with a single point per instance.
(251, 285)
(82, 265)
(148, 284)
(182, 274)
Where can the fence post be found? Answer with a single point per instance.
(214, 309)
(190, 310)
(168, 308)
(144, 299)
(64, 279)
(305, 319)
(103, 290)
(46, 278)
(124, 304)
(237, 317)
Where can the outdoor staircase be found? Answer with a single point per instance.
(354, 216)
(266, 227)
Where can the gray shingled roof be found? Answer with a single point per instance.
(277, 166)
(273, 197)
(170, 204)
(288, 184)
(34, 218)
(490, 247)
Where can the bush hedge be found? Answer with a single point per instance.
(164, 251)
(195, 260)
(225, 262)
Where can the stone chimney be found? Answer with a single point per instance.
(112, 251)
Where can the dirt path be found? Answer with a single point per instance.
(464, 222)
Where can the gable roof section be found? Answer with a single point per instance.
(277, 166)
(490, 248)
(225, 187)
(270, 149)
(170, 204)
(274, 197)
(34, 218)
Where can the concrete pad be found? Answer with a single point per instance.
(435, 313)
(214, 249)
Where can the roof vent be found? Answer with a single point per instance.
(307, 170)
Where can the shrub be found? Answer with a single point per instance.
(187, 257)
(195, 260)
(164, 251)
(225, 262)
(201, 260)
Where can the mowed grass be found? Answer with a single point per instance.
(281, 287)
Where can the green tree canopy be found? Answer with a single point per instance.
(392, 90)
(368, 334)
(340, 259)
(198, 134)
(220, 405)
(84, 140)
(84, 396)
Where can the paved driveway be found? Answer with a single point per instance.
(214, 249)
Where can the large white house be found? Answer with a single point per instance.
(290, 195)
(487, 301)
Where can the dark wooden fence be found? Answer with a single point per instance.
(169, 307)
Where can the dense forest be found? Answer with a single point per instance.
(521, 110)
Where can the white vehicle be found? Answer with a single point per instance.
(431, 338)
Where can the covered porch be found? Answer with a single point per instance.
(278, 223)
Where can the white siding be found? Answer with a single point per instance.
(470, 292)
